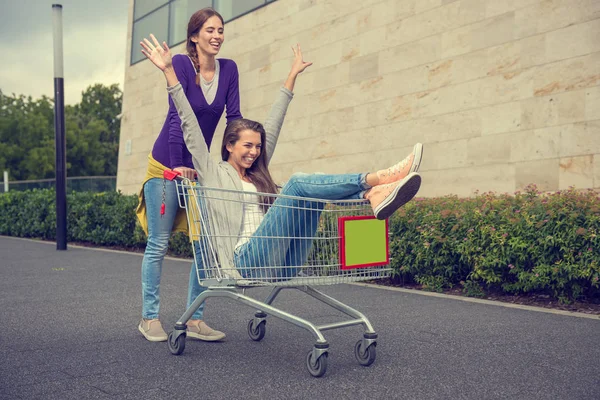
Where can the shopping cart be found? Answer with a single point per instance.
(308, 242)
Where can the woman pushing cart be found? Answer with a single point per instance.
(250, 235)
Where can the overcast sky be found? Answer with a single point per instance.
(94, 42)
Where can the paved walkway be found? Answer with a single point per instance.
(68, 331)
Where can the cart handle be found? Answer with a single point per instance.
(169, 174)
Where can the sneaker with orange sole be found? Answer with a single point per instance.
(386, 199)
(411, 163)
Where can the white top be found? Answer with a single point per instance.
(209, 88)
(253, 214)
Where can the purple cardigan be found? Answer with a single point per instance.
(169, 148)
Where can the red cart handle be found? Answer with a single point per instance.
(169, 174)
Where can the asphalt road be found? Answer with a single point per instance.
(68, 330)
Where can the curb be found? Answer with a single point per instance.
(481, 301)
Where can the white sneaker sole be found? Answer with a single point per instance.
(418, 152)
(204, 338)
(152, 338)
(402, 194)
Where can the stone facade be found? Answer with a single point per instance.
(501, 93)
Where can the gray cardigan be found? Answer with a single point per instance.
(226, 214)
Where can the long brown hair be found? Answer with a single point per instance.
(197, 20)
(259, 172)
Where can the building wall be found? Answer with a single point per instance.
(501, 93)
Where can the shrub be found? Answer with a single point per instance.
(529, 242)
(526, 243)
(104, 219)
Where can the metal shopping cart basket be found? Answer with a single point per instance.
(306, 243)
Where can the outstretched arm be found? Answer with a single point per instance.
(160, 55)
(298, 66)
(278, 110)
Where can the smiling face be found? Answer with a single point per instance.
(245, 151)
(210, 37)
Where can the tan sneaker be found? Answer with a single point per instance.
(197, 329)
(399, 171)
(386, 199)
(152, 330)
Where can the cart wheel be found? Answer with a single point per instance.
(316, 368)
(257, 333)
(176, 342)
(365, 357)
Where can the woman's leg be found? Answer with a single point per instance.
(196, 327)
(201, 256)
(326, 186)
(281, 244)
(159, 231)
(194, 288)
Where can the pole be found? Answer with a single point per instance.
(5, 181)
(59, 131)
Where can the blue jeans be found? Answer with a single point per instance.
(159, 232)
(281, 244)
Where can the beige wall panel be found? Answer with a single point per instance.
(410, 55)
(551, 15)
(557, 109)
(501, 93)
(297, 129)
(443, 128)
(580, 139)
(577, 172)
(468, 181)
(592, 103)
(573, 41)
(495, 7)
(330, 77)
(349, 143)
(390, 11)
(538, 144)
(363, 68)
(501, 118)
(325, 124)
(487, 33)
(473, 94)
(542, 173)
(426, 5)
(338, 165)
(515, 55)
(441, 156)
(458, 69)
(369, 43)
(431, 22)
(596, 166)
(484, 150)
(457, 14)
(567, 75)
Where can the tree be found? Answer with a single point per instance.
(27, 147)
(101, 103)
(26, 137)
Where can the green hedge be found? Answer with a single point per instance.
(104, 219)
(523, 243)
(529, 242)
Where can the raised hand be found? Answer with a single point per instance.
(299, 64)
(159, 55)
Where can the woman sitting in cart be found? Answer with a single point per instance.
(272, 241)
